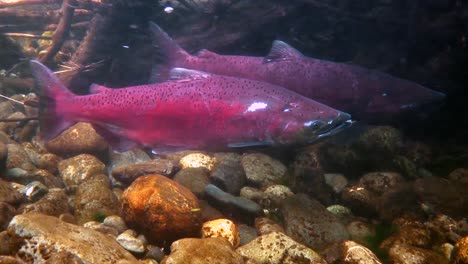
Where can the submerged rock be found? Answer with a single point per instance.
(222, 228)
(278, 248)
(228, 173)
(309, 222)
(47, 239)
(197, 160)
(195, 179)
(128, 173)
(460, 252)
(94, 199)
(3, 156)
(402, 254)
(7, 212)
(18, 158)
(54, 203)
(235, 203)
(78, 139)
(350, 252)
(8, 194)
(77, 169)
(201, 251)
(262, 170)
(161, 209)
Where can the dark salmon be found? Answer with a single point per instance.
(365, 94)
(194, 110)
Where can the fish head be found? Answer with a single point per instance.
(402, 97)
(304, 124)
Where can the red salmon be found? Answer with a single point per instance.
(365, 94)
(194, 110)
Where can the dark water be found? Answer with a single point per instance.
(422, 41)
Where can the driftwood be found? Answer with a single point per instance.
(11, 3)
(25, 35)
(61, 32)
(18, 16)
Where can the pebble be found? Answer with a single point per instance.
(197, 160)
(131, 243)
(274, 195)
(247, 234)
(309, 222)
(336, 181)
(262, 170)
(25, 177)
(94, 199)
(128, 173)
(360, 231)
(78, 139)
(161, 209)
(225, 198)
(222, 228)
(116, 222)
(130, 157)
(402, 254)
(208, 212)
(198, 251)
(380, 182)
(251, 193)
(8, 194)
(46, 237)
(361, 200)
(277, 248)
(3, 156)
(18, 158)
(442, 195)
(350, 252)
(54, 203)
(195, 179)
(265, 226)
(35, 190)
(228, 173)
(48, 161)
(154, 252)
(460, 251)
(75, 170)
(7, 211)
(101, 228)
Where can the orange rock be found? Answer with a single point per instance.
(460, 253)
(161, 209)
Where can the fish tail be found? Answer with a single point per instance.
(53, 97)
(171, 51)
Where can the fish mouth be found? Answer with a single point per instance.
(333, 126)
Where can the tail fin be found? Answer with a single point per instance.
(171, 51)
(51, 91)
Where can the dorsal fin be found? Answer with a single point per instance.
(96, 88)
(204, 53)
(282, 51)
(182, 74)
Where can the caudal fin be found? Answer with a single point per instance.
(172, 53)
(51, 91)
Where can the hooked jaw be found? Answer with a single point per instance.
(313, 130)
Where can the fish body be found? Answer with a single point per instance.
(365, 94)
(194, 110)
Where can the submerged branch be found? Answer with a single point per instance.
(10, 3)
(24, 35)
(17, 16)
(61, 32)
(19, 119)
